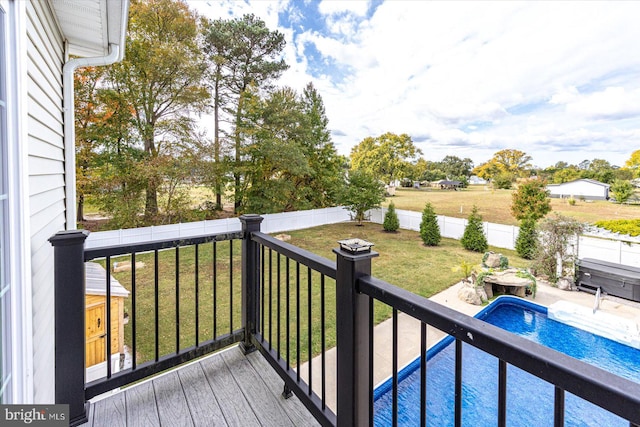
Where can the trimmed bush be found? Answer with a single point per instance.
(429, 228)
(391, 222)
(473, 238)
(503, 181)
(531, 200)
(622, 226)
(622, 190)
(527, 241)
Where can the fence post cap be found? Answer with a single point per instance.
(68, 237)
(355, 249)
(251, 218)
(355, 246)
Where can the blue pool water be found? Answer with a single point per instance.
(530, 400)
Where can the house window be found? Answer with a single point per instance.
(5, 367)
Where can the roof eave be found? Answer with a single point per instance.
(90, 26)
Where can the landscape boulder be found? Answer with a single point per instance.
(472, 294)
(507, 281)
(469, 295)
(565, 284)
(493, 260)
(126, 266)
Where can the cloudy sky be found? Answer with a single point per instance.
(558, 80)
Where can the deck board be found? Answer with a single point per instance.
(295, 410)
(110, 412)
(237, 412)
(255, 390)
(203, 404)
(224, 389)
(172, 404)
(142, 409)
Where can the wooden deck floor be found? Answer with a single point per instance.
(225, 389)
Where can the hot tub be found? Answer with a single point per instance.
(614, 279)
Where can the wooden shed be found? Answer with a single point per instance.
(96, 318)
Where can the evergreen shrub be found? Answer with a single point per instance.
(429, 228)
(527, 240)
(473, 238)
(391, 222)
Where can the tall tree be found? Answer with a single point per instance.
(488, 170)
(161, 78)
(600, 170)
(584, 165)
(291, 161)
(633, 163)
(362, 192)
(513, 161)
(531, 200)
(508, 161)
(622, 190)
(252, 63)
(387, 156)
(218, 44)
(327, 166)
(529, 203)
(570, 173)
(88, 117)
(103, 153)
(456, 167)
(271, 128)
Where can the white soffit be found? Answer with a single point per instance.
(89, 26)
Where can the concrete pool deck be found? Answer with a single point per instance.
(409, 331)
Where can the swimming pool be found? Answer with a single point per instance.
(530, 399)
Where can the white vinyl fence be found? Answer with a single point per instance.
(610, 249)
(499, 235)
(272, 223)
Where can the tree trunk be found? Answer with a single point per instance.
(151, 201)
(238, 143)
(216, 145)
(80, 212)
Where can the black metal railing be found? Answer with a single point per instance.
(286, 299)
(185, 308)
(293, 317)
(567, 374)
(185, 303)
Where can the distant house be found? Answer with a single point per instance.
(588, 189)
(476, 180)
(41, 44)
(449, 185)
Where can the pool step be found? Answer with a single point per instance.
(624, 331)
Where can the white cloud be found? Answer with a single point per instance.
(331, 7)
(559, 80)
(611, 103)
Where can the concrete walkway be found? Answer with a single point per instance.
(409, 332)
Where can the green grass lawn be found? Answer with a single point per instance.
(495, 205)
(403, 261)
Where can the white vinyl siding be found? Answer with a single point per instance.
(5, 276)
(45, 58)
